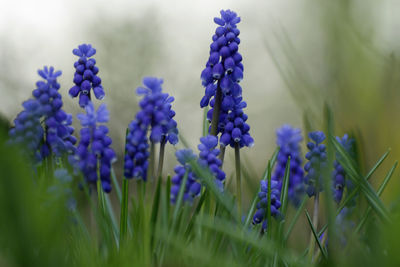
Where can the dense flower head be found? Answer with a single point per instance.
(56, 137)
(316, 163)
(192, 187)
(155, 115)
(208, 157)
(85, 77)
(224, 67)
(262, 206)
(28, 130)
(58, 129)
(94, 152)
(339, 174)
(288, 140)
(223, 72)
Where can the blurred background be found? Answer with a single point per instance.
(297, 56)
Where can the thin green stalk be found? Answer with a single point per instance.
(161, 158)
(269, 221)
(314, 224)
(222, 154)
(216, 112)
(124, 211)
(238, 179)
(206, 123)
(150, 170)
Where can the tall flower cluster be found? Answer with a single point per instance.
(262, 206)
(192, 186)
(339, 180)
(288, 140)
(85, 77)
(56, 137)
(316, 163)
(28, 130)
(156, 115)
(94, 152)
(208, 157)
(58, 129)
(222, 75)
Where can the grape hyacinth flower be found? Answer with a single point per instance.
(262, 206)
(288, 140)
(316, 163)
(156, 115)
(85, 77)
(208, 157)
(94, 154)
(58, 129)
(223, 71)
(56, 137)
(192, 187)
(28, 130)
(339, 174)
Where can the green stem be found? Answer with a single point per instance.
(161, 158)
(222, 155)
(216, 112)
(315, 224)
(238, 179)
(150, 170)
(124, 211)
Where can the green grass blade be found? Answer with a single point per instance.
(269, 222)
(348, 165)
(379, 192)
(116, 185)
(154, 211)
(295, 218)
(315, 235)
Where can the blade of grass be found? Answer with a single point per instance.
(124, 211)
(295, 218)
(315, 235)
(379, 192)
(348, 165)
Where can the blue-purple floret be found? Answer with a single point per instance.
(224, 71)
(192, 187)
(85, 77)
(155, 115)
(288, 141)
(339, 180)
(260, 215)
(56, 137)
(316, 163)
(208, 158)
(94, 154)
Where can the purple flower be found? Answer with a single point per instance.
(262, 206)
(316, 163)
(288, 140)
(94, 154)
(156, 115)
(208, 158)
(339, 174)
(85, 77)
(192, 187)
(223, 72)
(28, 130)
(57, 135)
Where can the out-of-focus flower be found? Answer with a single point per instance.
(94, 154)
(316, 163)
